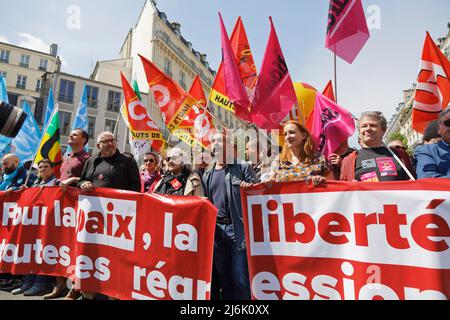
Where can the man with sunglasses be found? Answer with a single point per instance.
(433, 160)
(110, 168)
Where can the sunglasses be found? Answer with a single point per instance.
(149, 160)
(447, 123)
(172, 158)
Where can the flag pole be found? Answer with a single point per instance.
(335, 77)
(400, 162)
(40, 141)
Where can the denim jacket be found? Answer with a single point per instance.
(234, 175)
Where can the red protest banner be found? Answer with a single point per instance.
(349, 240)
(122, 244)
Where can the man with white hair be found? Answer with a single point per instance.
(110, 168)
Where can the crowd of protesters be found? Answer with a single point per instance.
(219, 176)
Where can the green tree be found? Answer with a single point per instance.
(398, 136)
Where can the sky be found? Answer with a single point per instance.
(387, 65)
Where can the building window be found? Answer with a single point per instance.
(183, 79)
(168, 67)
(4, 56)
(24, 61)
(92, 96)
(113, 101)
(64, 122)
(91, 127)
(43, 65)
(66, 91)
(21, 82)
(38, 85)
(110, 125)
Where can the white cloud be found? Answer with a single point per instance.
(3, 38)
(31, 42)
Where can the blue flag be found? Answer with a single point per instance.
(5, 143)
(50, 106)
(27, 140)
(81, 119)
(3, 92)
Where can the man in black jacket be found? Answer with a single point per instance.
(109, 168)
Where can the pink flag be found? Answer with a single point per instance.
(347, 30)
(331, 125)
(275, 94)
(233, 82)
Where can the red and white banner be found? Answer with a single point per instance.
(349, 240)
(122, 244)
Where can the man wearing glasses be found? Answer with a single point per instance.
(109, 168)
(433, 160)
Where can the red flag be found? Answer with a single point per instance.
(145, 134)
(174, 103)
(330, 126)
(244, 59)
(247, 69)
(199, 122)
(233, 82)
(275, 94)
(433, 86)
(347, 31)
(329, 92)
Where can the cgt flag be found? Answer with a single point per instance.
(275, 95)
(199, 122)
(331, 125)
(145, 134)
(247, 70)
(233, 82)
(50, 146)
(174, 103)
(347, 30)
(433, 86)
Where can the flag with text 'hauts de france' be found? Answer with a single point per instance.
(27, 140)
(5, 142)
(433, 86)
(247, 70)
(347, 30)
(274, 95)
(199, 122)
(145, 134)
(173, 101)
(81, 118)
(330, 126)
(50, 147)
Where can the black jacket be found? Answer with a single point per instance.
(117, 172)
